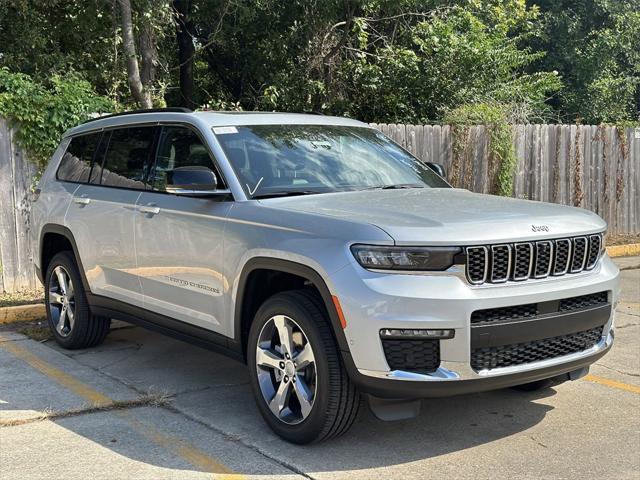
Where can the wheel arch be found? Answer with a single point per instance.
(55, 238)
(247, 290)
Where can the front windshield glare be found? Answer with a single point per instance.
(275, 160)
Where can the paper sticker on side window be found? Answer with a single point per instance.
(224, 130)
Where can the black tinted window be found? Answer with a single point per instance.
(76, 162)
(178, 147)
(127, 158)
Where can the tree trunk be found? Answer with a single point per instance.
(186, 51)
(141, 95)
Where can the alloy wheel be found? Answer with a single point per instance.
(286, 369)
(62, 303)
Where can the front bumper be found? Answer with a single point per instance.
(377, 301)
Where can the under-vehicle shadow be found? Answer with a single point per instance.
(213, 390)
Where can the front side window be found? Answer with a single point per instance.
(75, 165)
(275, 160)
(178, 147)
(128, 154)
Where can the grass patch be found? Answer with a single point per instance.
(622, 239)
(23, 297)
(39, 333)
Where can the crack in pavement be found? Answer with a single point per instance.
(619, 371)
(144, 401)
(236, 438)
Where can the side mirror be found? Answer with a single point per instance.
(193, 181)
(436, 167)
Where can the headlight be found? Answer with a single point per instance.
(376, 257)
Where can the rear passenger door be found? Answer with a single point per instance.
(101, 214)
(179, 239)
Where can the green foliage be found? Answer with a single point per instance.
(44, 111)
(450, 59)
(595, 46)
(502, 156)
(376, 60)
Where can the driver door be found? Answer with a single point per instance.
(179, 239)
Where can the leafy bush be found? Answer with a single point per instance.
(44, 111)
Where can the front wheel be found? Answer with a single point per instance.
(70, 320)
(301, 387)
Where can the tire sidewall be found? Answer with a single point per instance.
(307, 430)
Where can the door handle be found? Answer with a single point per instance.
(150, 209)
(82, 200)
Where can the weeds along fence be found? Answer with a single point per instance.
(595, 167)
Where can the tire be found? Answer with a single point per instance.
(335, 402)
(540, 384)
(79, 328)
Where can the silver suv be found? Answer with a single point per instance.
(333, 262)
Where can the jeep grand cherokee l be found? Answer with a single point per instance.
(333, 262)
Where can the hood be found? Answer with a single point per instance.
(448, 216)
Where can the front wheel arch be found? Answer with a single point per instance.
(306, 277)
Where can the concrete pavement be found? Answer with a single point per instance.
(146, 406)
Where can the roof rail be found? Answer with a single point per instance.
(144, 110)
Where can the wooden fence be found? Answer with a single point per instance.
(16, 181)
(589, 166)
(594, 167)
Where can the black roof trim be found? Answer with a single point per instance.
(144, 110)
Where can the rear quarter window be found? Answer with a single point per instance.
(75, 165)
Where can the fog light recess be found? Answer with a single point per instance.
(417, 334)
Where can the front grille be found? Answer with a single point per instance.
(522, 261)
(583, 301)
(522, 353)
(412, 355)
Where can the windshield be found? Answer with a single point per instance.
(278, 160)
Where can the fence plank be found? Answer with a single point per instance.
(8, 247)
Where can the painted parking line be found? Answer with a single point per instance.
(182, 449)
(612, 383)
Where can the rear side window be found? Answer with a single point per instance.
(126, 158)
(178, 147)
(75, 165)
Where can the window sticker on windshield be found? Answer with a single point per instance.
(224, 130)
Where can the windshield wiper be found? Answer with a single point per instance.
(289, 193)
(396, 186)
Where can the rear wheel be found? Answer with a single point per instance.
(72, 324)
(301, 387)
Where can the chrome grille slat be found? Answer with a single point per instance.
(562, 256)
(477, 264)
(579, 256)
(500, 269)
(521, 261)
(595, 246)
(544, 255)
